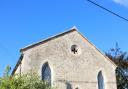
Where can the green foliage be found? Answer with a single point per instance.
(7, 71)
(121, 60)
(27, 81)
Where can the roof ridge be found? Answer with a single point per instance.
(48, 39)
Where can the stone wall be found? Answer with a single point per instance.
(80, 69)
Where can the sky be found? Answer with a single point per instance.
(23, 22)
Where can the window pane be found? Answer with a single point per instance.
(46, 73)
(100, 80)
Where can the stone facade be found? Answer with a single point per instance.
(72, 59)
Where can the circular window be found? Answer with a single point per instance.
(75, 49)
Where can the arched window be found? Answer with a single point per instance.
(46, 73)
(100, 81)
(69, 86)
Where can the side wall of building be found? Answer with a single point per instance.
(80, 69)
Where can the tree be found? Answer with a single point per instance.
(121, 60)
(26, 81)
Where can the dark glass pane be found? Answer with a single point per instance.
(100, 80)
(46, 73)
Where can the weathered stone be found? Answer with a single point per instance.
(79, 68)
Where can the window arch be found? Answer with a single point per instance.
(69, 86)
(100, 81)
(46, 73)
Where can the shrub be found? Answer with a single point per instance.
(26, 81)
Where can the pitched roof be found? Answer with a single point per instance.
(46, 40)
(51, 38)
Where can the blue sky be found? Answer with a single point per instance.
(23, 22)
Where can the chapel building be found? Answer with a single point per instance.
(68, 61)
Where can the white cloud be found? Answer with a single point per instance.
(122, 2)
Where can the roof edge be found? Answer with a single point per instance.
(53, 37)
(48, 39)
(98, 49)
(17, 64)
